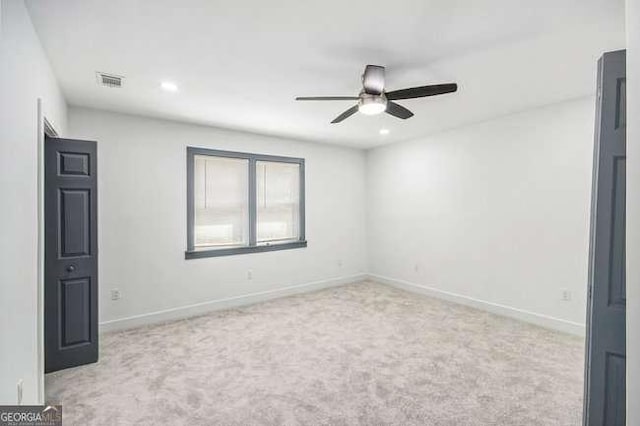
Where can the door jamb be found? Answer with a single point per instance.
(44, 127)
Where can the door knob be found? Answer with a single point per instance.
(71, 268)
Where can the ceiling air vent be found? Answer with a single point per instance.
(109, 80)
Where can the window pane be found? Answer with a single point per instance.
(278, 209)
(221, 191)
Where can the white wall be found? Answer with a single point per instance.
(142, 215)
(633, 211)
(495, 212)
(25, 76)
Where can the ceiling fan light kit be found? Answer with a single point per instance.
(373, 99)
(372, 104)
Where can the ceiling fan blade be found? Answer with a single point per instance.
(422, 91)
(398, 110)
(327, 98)
(373, 79)
(348, 113)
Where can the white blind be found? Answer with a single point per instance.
(278, 201)
(221, 201)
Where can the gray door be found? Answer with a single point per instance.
(606, 349)
(71, 254)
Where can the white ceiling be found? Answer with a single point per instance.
(239, 64)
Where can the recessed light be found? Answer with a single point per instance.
(169, 86)
(384, 131)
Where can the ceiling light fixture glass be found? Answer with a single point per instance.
(384, 131)
(169, 86)
(372, 104)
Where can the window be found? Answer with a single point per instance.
(278, 186)
(220, 187)
(243, 203)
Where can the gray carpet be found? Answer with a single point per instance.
(362, 354)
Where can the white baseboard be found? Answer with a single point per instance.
(541, 320)
(172, 314)
(218, 304)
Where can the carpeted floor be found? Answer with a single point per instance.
(362, 354)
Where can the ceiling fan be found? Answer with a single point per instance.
(373, 99)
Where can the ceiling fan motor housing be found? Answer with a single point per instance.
(373, 79)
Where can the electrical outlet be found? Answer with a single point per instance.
(19, 389)
(115, 294)
(565, 295)
(249, 275)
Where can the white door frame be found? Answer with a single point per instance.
(44, 128)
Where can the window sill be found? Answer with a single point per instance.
(199, 254)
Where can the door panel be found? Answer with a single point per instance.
(617, 270)
(606, 342)
(73, 163)
(75, 221)
(75, 309)
(71, 262)
(615, 376)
